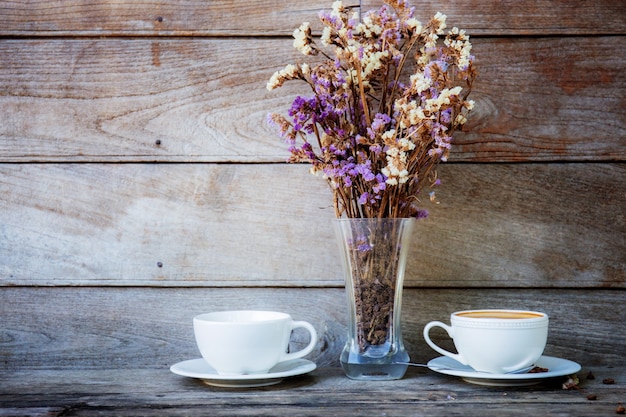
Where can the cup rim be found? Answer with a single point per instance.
(241, 317)
(539, 315)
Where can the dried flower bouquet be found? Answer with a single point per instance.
(384, 107)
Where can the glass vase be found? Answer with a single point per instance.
(374, 253)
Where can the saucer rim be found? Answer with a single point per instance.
(300, 367)
(567, 367)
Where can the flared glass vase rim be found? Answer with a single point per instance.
(371, 219)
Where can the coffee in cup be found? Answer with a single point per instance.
(248, 342)
(494, 341)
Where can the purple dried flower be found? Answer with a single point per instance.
(380, 121)
(363, 244)
(381, 184)
(376, 149)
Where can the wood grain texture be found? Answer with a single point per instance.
(151, 328)
(140, 186)
(509, 225)
(271, 17)
(324, 392)
(190, 100)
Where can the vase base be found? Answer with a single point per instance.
(373, 372)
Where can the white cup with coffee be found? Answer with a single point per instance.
(248, 342)
(494, 341)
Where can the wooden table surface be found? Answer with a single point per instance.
(323, 392)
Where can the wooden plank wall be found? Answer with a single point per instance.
(140, 184)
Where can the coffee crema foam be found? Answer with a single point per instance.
(500, 315)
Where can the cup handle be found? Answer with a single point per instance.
(450, 332)
(310, 346)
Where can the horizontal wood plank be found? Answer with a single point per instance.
(509, 225)
(538, 99)
(271, 17)
(324, 392)
(116, 328)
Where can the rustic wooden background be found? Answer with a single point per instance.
(140, 184)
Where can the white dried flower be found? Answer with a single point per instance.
(420, 82)
(288, 73)
(440, 22)
(302, 39)
(460, 119)
(405, 145)
(337, 8)
(325, 38)
(414, 25)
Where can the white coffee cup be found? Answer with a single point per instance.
(247, 342)
(494, 341)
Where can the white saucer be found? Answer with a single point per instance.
(198, 368)
(556, 367)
